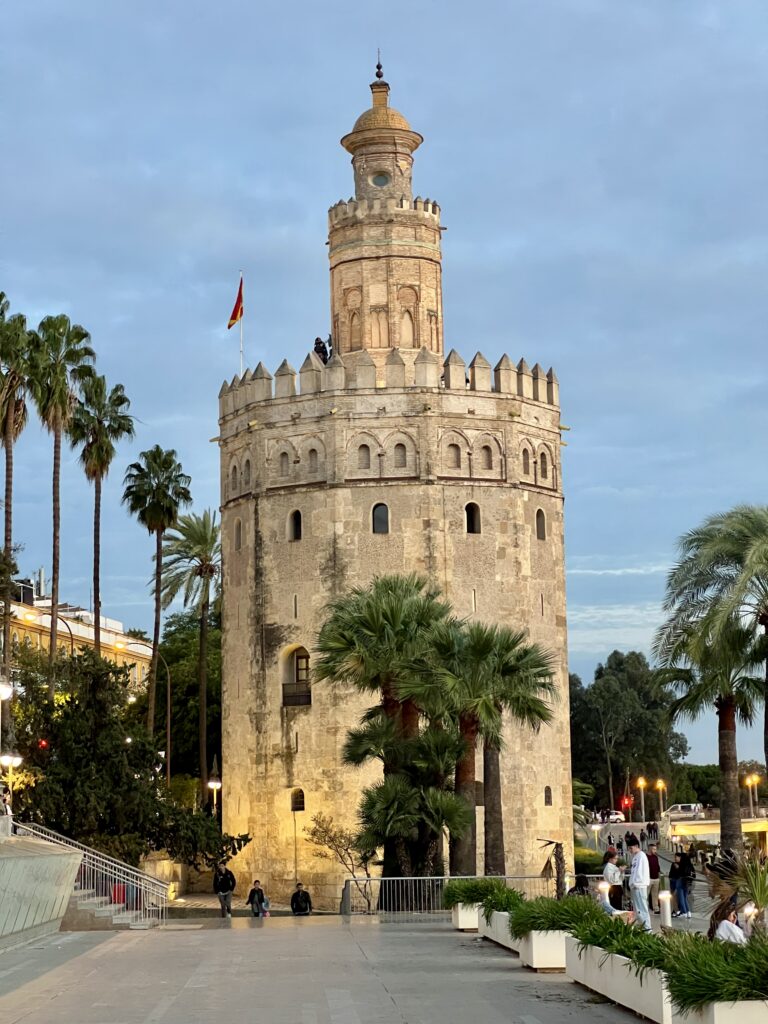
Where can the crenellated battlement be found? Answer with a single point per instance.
(357, 372)
(358, 209)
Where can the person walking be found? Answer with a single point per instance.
(612, 874)
(643, 839)
(639, 881)
(654, 870)
(224, 883)
(301, 902)
(257, 901)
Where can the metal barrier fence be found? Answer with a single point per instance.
(421, 898)
(129, 896)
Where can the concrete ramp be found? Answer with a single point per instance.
(36, 883)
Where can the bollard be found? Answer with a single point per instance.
(665, 905)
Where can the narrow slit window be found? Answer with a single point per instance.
(247, 473)
(541, 525)
(297, 800)
(472, 512)
(526, 462)
(233, 479)
(238, 534)
(313, 460)
(544, 466)
(294, 525)
(400, 456)
(547, 796)
(486, 457)
(295, 606)
(364, 457)
(454, 456)
(284, 464)
(380, 518)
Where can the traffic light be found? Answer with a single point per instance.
(42, 744)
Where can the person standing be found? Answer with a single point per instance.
(681, 874)
(639, 881)
(257, 901)
(224, 885)
(654, 870)
(612, 874)
(643, 839)
(301, 902)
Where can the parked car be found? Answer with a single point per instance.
(616, 818)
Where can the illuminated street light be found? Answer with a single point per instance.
(59, 618)
(641, 784)
(10, 761)
(596, 830)
(660, 787)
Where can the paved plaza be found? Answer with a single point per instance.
(285, 971)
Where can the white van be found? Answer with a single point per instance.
(684, 811)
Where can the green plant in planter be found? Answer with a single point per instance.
(501, 901)
(614, 935)
(470, 890)
(701, 972)
(547, 915)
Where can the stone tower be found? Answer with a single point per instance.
(387, 459)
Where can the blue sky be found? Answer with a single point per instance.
(601, 170)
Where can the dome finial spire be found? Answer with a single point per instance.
(379, 69)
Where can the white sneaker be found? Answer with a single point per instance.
(688, 915)
(229, 913)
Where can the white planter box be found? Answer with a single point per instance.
(613, 977)
(748, 1011)
(544, 951)
(497, 930)
(464, 917)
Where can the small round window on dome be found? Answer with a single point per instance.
(381, 179)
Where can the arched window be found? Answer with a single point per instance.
(284, 463)
(406, 330)
(247, 473)
(363, 457)
(486, 457)
(543, 466)
(355, 334)
(233, 479)
(454, 456)
(400, 456)
(541, 525)
(473, 517)
(294, 525)
(238, 534)
(379, 329)
(380, 518)
(313, 460)
(547, 796)
(297, 800)
(526, 462)
(296, 689)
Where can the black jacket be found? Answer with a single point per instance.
(256, 896)
(301, 902)
(224, 881)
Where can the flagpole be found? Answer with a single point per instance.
(242, 316)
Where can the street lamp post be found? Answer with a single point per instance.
(641, 784)
(660, 787)
(748, 781)
(596, 830)
(10, 761)
(138, 643)
(214, 784)
(59, 618)
(755, 783)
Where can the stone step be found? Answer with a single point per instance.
(109, 909)
(92, 902)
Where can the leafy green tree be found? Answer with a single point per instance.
(722, 572)
(480, 671)
(14, 377)
(719, 672)
(100, 420)
(61, 360)
(192, 558)
(156, 488)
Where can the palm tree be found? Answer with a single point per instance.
(99, 421)
(714, 670)
(61, 361)
(723, 570)
(14, 374)
(192, 559)
(485, 670)
(156, 488)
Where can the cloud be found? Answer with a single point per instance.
(599, 629)
(627, 570)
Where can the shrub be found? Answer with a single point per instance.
(701, 972)
(501, 901)
(547, 915)
(587, 862)
(470, 890)
(614, 935)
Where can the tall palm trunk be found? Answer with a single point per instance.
(495, 860)
(730, 810)
(464, 848)
(152, 682)
(56, 553)
(97, 564)
(202, 675)
(8, 432)
(763, 620)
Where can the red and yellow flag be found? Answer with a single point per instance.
(237, 312)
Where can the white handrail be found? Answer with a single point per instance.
(123, 892)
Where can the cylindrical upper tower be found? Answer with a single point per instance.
(384, 246)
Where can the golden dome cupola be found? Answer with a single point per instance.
(382, 144)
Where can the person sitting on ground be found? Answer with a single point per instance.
(301, 902)
(728, 930)
(581, 888)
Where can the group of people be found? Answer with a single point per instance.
(224, 884)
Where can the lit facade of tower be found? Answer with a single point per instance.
(387, 459)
